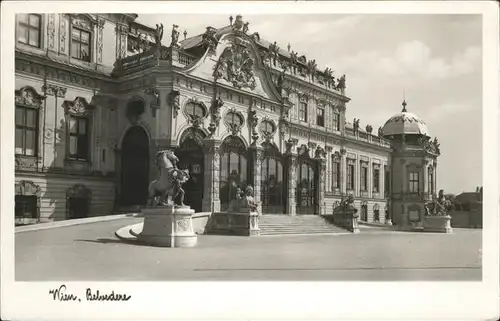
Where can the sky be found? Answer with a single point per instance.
(432, 61)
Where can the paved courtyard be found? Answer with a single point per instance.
(92, 252)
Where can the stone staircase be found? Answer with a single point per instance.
(278, 224)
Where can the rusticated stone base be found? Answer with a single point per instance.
(167, 226)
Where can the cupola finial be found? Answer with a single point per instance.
(404, 106)
(404, 101)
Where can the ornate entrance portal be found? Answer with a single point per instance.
(272, 182)
(191, 157)
(306, 187)
(233, 170)
(134, 167)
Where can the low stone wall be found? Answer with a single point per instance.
(345, 219)
(200, 221)
(243, 224)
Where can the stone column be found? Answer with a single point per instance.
(426, 181)
(211, 200)
(321, 186)
(292, 184)
(369, 178)
(255, 179)
(434, 176)
(343, 174)
(381, 188)
(357, 181)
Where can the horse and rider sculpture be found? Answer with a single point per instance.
(168, 185)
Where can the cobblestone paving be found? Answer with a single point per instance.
(92, 252)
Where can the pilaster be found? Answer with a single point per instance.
(426, 180)
(343, 173)
(211, 200)
(381, 176)
(321, 185)
(291, 208)
(256, 177)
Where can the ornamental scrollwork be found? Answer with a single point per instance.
(235, 65)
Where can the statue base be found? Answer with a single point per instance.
(168, 226)
(440, 224)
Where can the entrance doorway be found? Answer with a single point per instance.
(272, 184)
(306, 187)
(134, 167)
(233, 170)
(191, 157)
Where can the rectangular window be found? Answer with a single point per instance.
(336, 121)
(413, 181)
(80, 44)
(28, 29)
(376, 180)
(320, 117)
(26, 206)
(303, 111)
(350, 177)
(364, 178)
(26, 131)
(78, 138)
(335, 174)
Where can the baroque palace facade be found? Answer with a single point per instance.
(97, 95)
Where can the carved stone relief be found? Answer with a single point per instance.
(100, 40)
(63, 26)
(236, 66)
(51, 30)
(54, 90)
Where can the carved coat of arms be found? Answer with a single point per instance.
(236, 66)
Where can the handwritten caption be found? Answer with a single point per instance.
(62, 294)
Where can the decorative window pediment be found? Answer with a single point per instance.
(28, 96)
(303, 97)
(234, 121)
(27, 188)
(83, 20)
(78, 107)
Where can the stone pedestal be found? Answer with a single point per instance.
(440, 224)
(168, 226)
